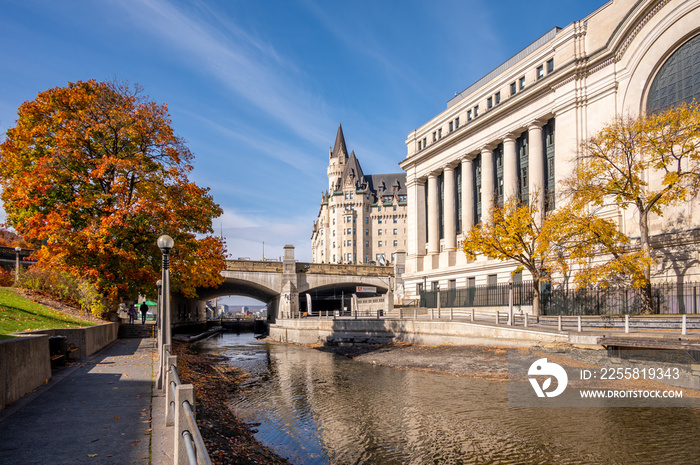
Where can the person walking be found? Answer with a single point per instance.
(132, 314)
(144, 310)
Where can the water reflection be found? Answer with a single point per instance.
(314, 407)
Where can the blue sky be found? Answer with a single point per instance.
(257, 88)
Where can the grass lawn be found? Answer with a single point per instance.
(20, 314)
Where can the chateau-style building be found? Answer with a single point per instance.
(517, 130)
(362, 218)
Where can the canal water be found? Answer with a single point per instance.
(314, 407)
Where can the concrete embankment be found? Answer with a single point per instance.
(347, 331)
(25, 362)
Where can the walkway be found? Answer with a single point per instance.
(97, 411)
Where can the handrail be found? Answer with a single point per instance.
(179, 404)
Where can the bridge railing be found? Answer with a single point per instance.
(334, 269)
(179, 404)
(254, 265)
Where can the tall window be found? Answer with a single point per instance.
(458, 197)
(498, 160)
(521, 145)
(476, 166)
(678, 80)
(548, 134)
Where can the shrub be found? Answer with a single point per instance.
(66, 288)
(6, 278)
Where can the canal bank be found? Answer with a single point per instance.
(426, 332)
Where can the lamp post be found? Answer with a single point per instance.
(159, 314)
(165, 244)
(510, 302)
(17, 251)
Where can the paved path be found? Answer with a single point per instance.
(97, 411)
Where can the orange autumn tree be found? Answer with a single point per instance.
(93, 174)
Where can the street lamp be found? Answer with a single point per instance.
(165, 244)
(159, 313)
(17, 251)
(510, 302)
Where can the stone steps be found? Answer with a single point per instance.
(136, 331)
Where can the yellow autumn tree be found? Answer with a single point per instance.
(641, 163)
(522, 234)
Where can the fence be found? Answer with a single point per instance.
(179, 405)
(668, 298)
(479, 296)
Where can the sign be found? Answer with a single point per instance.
(359, 289)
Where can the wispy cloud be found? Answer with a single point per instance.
(245, 234)
(263, 143)
(242, 63)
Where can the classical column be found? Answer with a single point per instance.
(536, 165)
(486, 183)
(467, 194)
(433, 214)
(448, 209)
(510, 169)
(416, 218)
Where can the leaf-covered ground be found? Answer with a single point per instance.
(228, 439)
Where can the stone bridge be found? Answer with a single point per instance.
(290, 286)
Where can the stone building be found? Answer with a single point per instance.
(362, 218)
(516, 131)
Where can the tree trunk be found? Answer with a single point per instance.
(647, 306)
(536, 300)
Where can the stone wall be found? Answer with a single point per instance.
(88, 340)
(24, 365)
(328, 331)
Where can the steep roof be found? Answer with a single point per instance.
(352, 172)
(392, 183)
(339, 148)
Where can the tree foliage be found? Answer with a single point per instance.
(525, 235)
(93, 173)
(642, 163)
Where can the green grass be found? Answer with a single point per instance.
(20, 314)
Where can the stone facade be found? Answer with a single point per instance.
(362, 218)
(516, 132)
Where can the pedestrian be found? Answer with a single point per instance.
(132, 313)
(144, 310)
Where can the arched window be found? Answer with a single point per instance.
(678, 80)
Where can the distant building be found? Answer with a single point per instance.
(516, 132)
(362, 218)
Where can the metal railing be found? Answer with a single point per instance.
(180, 413)
(479, 296)
(668, 298)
